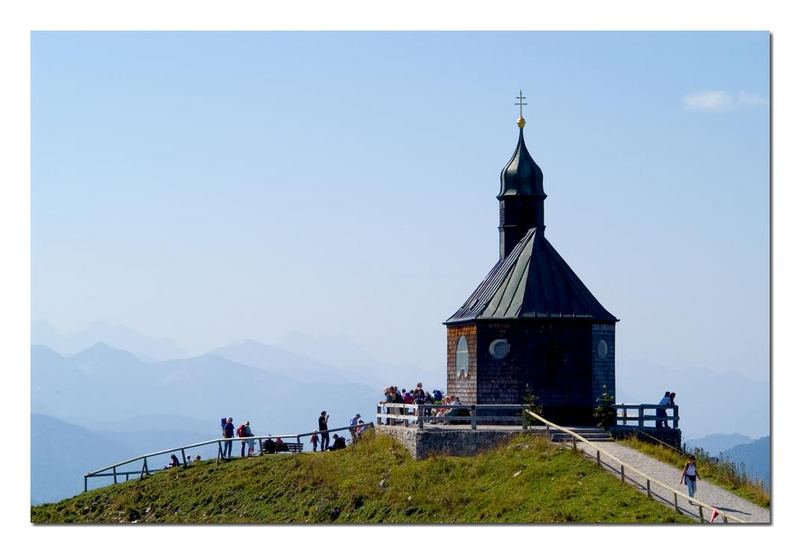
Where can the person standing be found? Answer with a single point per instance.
(672, 404)
(661, 411)
(227, 433)
(314, 441)
(353, 424)
(251, 443)
(690, 476)
(241, 433)
(323, 431)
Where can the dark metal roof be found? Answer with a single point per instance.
(521, 176)
(532, 281)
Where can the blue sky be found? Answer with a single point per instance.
(211, 187)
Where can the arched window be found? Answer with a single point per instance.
(462, 357)
(602, 349)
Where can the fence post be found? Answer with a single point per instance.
(701, 514)
(405, 412)
(622, 472)
(676, 501)
(598, 457)
(648, 489)
(641, 416)
(420, 415)
(574, 443)
(473, 413)
(675, 414)
(183, 455)
(115, 474)
(378, 414)
(86, 484)
(299, 445)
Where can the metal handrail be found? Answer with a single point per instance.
(415, 413)
(145, 469)
(622, 464)
(641, 417)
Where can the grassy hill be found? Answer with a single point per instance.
(527, 480)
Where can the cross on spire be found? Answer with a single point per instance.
(521, 103)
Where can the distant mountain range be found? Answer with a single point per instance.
(709, 402)
(714, 444)
(111, 404)
(104, 383)
(144, 347)
(62, 453)
(754, 457)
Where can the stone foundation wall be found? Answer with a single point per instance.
(669, 436)
(425, 442)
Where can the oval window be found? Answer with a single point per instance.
(602, 349)
(462, 357)
(498, 349)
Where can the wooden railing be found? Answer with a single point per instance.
(641, 414)
(418, 414)
(112, 471)
(649, 480)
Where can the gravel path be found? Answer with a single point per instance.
(723, 500)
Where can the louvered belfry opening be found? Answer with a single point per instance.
(531, 323)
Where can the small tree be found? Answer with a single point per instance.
(531, 403)
(605, 413)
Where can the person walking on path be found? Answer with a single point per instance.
(353, 423)
(227, 433)
(323, 431)
(690, 476)
(314, 441)
(661, 411)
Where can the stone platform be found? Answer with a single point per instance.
(669, 436)
(451, 440)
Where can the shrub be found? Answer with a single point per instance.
(531, 403)
(605, 413)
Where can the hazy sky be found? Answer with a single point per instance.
(212, 187)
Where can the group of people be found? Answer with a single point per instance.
(175, 462)
(392, 394)
(661, 411)
(244, 431)
(418, 396)
(322, 440)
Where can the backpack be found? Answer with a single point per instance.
(240, 432)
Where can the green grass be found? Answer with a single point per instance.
(721, 473)
(374, 481)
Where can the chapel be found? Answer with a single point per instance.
(531, 324)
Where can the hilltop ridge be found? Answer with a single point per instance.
(527, 480)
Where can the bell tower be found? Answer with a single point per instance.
(521, 193)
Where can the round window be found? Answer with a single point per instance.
(462, 357)
(498, 349)
(602, 349)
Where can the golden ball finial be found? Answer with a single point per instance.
(521, 122)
